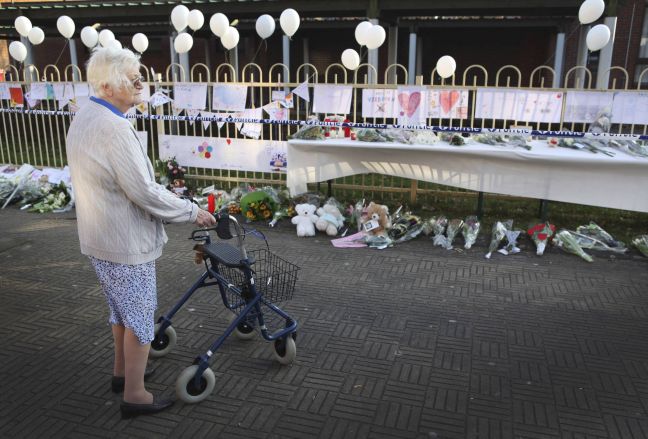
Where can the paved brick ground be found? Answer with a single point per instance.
(410, 342)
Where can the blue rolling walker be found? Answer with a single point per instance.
(250, 283)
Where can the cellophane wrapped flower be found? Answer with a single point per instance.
(259, 204)
(641, 242)
(497, 235)
(593, 236)
(428, 226)
(6, 189)
(57, 199)
(233, 208)
(511, 247)
(454, 226)
(470, 230)
(566, 241)
(279, 214)
(405, 227)
(541, 234)
(438, 229)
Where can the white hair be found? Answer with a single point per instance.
(108, 66)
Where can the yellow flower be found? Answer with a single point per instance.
(249, 214)
(267, 214)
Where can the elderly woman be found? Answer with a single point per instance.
(120, 209)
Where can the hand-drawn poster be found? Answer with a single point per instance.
(379, 103)
(412, 105)
(229, 97)
(583, 106)
(225, 153)
(190, 96)
(332, 98)
(448, 104)
(630, 107)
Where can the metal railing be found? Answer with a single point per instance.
(40, 139)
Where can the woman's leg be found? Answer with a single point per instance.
(135, 357)
(118, 337)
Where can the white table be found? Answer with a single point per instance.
(557, 174)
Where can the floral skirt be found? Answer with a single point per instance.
(130, 291)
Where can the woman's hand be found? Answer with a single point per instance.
(204, 219)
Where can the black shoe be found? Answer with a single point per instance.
(129, 410)
(118, 382)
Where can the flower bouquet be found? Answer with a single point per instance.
(489, 138)
(454, 139)
(405, 227)
(511, 247)
(428, 226)
(454, 226)
(519, 141)
(6, 189)
(568, 242)
(309, 132)
(541, 234)
(497, 235)
(438, 229)
(470, 230)
(594, 237)
(58, 198)
(641, 242)
(259, 204)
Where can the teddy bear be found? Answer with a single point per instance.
(376, 219)
(330, 219)
(305, 219)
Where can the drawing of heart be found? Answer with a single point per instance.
(448, 100)
(409, 102)
(229, 141)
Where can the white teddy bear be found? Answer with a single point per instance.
(330, 219)
(305, 219)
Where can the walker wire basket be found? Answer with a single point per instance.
(274, 279)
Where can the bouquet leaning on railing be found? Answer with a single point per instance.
(497, 235)
(541, 234)
(470, 230)
(454, 227)
(594, 237)
(438, 229)
(565, 240)
(641, 242)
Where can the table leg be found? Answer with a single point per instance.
(480, 205)
(543, 212)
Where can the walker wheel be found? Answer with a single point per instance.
(186, 389)
(285, 349)
(243, 331)
(162, 344)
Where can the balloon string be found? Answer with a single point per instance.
(258, 49)
(63, 50)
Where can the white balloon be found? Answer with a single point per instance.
(230, 38)
(289, 21)
(598, 37)
(140, 42)
(196, 19)
(180, 17)
(23, 25)
(18, 51)
(218, 24)
(89, 37)
(265, 26)
(361, 32)
(590, 11)
(446, 66)
(350, 59)
(375, 37)
(36, 36)
(115, 45)
(183, 43)
(105, 37)
(65, 26)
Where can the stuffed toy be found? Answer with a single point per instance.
(376, 220)
(305, 219)
(330, 219)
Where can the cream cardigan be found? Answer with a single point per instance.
(119, 206)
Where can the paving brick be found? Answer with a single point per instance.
(408, 342)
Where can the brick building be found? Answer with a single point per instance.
(491, 33)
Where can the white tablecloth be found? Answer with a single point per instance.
(558, 174)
